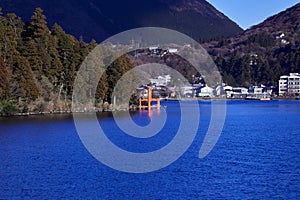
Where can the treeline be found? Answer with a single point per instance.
(38, 65)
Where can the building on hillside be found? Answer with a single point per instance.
(289, 85)
(161, 80)
(172, 50)
(204, 91)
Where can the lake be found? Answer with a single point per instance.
(256, 157)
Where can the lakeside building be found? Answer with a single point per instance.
(162, 87)
(289, 85)
(188, 91)
(234, 92)
(206, 92)
(260, 92)
(197, 91)
(238, 93)
(227, 90)
(253, 92)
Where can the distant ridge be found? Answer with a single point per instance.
(100, 19)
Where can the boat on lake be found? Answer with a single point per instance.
(258, 98)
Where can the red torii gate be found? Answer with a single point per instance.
(149, 106)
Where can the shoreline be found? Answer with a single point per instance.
(230, 99)
(169, 99)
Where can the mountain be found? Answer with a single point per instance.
(262, 53)
(99, 19)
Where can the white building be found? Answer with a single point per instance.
(153, 48)
(289, 85)
(228, 90)
(207, 89)
(172, 50)
(219, 90)
(206, 92)
(161, 80)
(280, 35)
(237, 92)
(187, 91)
(259, 92)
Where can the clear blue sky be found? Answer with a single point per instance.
(247, 13)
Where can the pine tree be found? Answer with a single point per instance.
(39, 32)
(31, 53)
(56, 67)
(9, 42)
(17, 24)
(92, 45)
(38, 27)
(26, 87)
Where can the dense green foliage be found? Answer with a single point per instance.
(7, 108)
(38, 66)
(4, 85)
(264, 68)
(259, 62)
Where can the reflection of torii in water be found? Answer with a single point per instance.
(149, 100)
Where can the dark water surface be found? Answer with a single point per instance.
(256, 157)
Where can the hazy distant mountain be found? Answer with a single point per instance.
(102, 18)
(262, 53)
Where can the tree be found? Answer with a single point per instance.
(115, 71)
(7, 108)
(4, 85)
(38, 27)
(31, 53)
(36, 63)
(26, 87)
(102, 88)
(38, 31)
(70, 56)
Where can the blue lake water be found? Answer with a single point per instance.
(256, 157)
